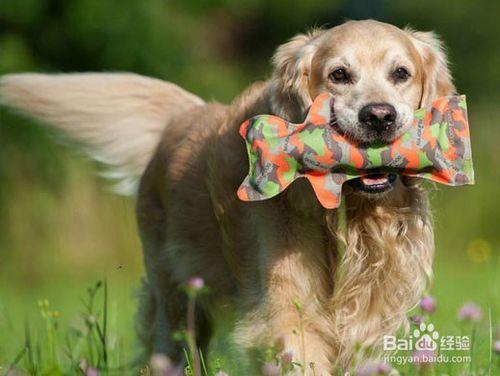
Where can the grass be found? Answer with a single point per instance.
(49, 340)
(87, 332)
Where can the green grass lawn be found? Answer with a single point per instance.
(457, 280)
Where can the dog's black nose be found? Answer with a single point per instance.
(378, 116)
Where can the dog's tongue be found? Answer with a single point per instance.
(375, 179)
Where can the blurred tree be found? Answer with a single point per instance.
(471, 34)
(192, 42)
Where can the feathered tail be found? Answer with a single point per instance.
(118, 118)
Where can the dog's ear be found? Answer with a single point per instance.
(290, 80)
(437, 80)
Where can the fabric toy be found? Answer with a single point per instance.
(436, 147)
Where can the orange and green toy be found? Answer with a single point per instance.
(436, 147)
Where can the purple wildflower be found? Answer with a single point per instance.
(286, 358)
(91, 372)
(496, 347)
(470, 312)
(162, 365)
(196, 283)
(271, 369)
(428, 304)
(372, 368)
(384, 368)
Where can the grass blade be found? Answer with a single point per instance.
(18, 358)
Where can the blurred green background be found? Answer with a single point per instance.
(61, 229)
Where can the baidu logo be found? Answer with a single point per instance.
(425, 337)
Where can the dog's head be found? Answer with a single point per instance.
(378, 73)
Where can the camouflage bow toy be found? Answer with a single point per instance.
(436, 147)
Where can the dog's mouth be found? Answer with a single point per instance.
(374, 183)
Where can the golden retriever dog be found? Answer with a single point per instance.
(356, 271)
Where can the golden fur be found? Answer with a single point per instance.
(356, 271)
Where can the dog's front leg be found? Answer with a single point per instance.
(293, 274)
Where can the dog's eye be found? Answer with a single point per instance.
(340, 75)
(400, 74)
